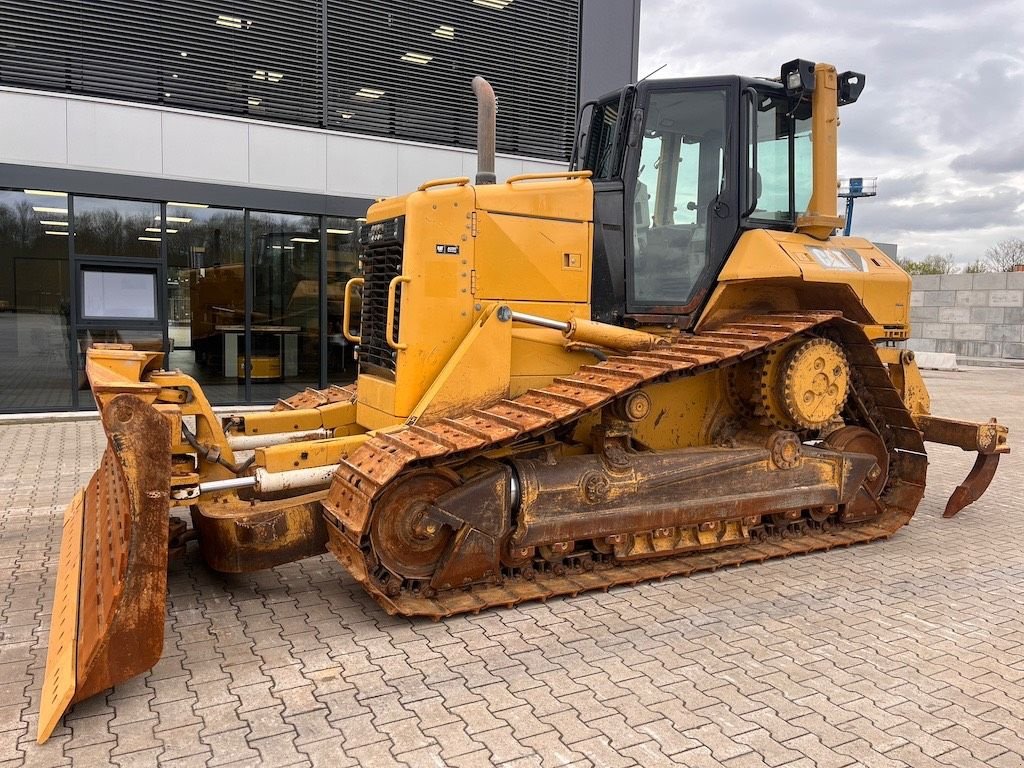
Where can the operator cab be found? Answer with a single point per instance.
(680, 169)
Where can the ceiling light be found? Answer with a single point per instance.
(274, 77)
(495, 4)
(445, 32)
(360, 219)
(338, 231)
(304, 240)
(254, 102)
(175, 77)
(229, 21)
(344, 115)
(48, 223)
(177, 219)
(417, 58)
(44, 209)
(369, 93)
(266, 74)
(157, 229)
(188, 205)
(289, 247)
(56, 232)
(276, 247)
(149, 239)
(167, 95)
(45, 193)
(184, 55)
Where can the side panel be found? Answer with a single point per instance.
(786, 271)
(436, 305)
(532, 259)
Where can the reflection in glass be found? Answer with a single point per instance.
(105, 227)
(34, 303)
(286, 304)
(342, 237)
(206, 296)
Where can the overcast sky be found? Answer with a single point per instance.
(941, 119)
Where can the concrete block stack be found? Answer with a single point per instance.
(979, 318)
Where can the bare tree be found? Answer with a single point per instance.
(977, 267)
(1005, 255)
(933, 264)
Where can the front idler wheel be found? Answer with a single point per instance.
(405, 539)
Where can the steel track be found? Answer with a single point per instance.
(384, 459)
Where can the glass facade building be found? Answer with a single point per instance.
(191, 177)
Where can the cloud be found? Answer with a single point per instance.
(991, 159)
(938, 122)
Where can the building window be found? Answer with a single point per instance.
(285, 327)
(116, 228)
(342, 238)
(206, 296)
(34, 301)
(249, 303)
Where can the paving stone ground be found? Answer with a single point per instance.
(904, 652)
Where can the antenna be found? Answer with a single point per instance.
(652, 73)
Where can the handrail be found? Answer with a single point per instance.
(390, 322)
(346, 331)
(460, 181)
(549, 175)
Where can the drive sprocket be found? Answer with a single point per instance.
(805, 385)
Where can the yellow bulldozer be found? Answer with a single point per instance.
(658, 362)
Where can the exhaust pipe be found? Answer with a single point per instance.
(486, 110)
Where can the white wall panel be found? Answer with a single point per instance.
(114, 137)
(33, 129)
(418, 164)
(284, 158)
(205, 148)
(361, 167)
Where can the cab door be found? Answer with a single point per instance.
(681, 217)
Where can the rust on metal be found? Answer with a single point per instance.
(119, 561)
(988, 437)
(238, 536)
(579, 527)
(974, 485)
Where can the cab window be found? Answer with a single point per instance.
(779, 135)
(679, 182)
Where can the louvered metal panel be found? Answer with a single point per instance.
(274, 60)
(528, 49)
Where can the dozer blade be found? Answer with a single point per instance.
(108, 609)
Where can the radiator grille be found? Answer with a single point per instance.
(381, 264)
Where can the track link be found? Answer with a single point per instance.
(383, 459)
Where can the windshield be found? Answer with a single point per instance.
(780, 162)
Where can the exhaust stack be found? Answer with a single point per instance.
(486, 109)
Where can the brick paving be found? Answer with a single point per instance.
(904, 652)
